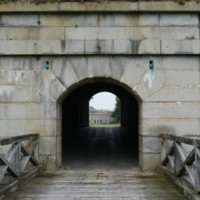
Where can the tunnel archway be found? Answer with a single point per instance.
(104, 110)
(83, 146)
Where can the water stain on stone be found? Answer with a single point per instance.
(0, 20)
(134, 46)
(63, 45)
(98, 47)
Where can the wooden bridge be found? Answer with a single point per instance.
(87, 185)
(180, 155)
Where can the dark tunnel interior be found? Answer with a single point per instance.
(92, 147)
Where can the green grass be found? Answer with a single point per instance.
(104, 125)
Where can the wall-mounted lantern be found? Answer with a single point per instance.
(151, 64)
(46, 65)
(151, 67)
(149, 76)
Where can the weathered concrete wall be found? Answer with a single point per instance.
(115, 46)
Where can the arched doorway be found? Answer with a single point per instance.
(86, 147)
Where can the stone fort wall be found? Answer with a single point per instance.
(110, 43)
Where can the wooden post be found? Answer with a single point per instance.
(36, 150)
(18, 155)
(179, 157)
(185, 167)
(197, 169)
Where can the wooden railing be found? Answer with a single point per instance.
(181, 154)
(19, 155)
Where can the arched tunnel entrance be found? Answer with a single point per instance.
(105, 147)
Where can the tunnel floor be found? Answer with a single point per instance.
(101, 148)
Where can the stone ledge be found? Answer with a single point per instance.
(99, 47)
(104, 6)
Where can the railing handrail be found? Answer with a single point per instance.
(186, 139)
(19, 154)
(19, 138)
(183, 161)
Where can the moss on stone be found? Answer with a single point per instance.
(181, 2)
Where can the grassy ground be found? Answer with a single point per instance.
(104, 125)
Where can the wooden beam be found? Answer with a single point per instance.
(188, 161)
(191, 140)
(17, 158)
(16, 139)
(169, 153)
(10, 169)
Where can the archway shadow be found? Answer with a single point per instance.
(85, 147)
(104, 148)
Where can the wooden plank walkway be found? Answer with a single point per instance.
(97, 185)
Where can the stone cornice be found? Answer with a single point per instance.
(104, 6)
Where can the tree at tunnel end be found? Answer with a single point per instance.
(116, 114)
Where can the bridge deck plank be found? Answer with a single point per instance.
(104, 185)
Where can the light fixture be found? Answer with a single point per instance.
(46, 65)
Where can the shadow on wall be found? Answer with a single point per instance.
(167, 129)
